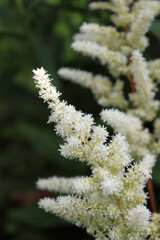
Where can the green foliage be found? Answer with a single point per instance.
(54, 2)
(32, 216)
(32, 34)
(155, 29)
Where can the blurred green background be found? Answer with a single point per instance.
(35, 33)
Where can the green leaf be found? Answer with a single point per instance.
(32, 215)
(24, 79)
(44, 56)
(43, 141)
(79, 4)
(9, 33)
(76, 19)
(155, 29)
(156, 174)
(62, 29)
(53, 2)
(46, 145)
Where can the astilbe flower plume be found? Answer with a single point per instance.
(110, 203)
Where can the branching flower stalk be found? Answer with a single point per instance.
(111, 202)
(149, 182)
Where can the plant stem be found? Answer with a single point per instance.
(120, 208)
(149, 183)
(131, 77)
(151, 196)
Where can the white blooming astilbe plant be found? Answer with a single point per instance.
(111, 202)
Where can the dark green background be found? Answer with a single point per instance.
(35, 33)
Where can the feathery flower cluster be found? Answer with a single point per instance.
(111, 202)
(102, 35)
(56, 184)
(144, 89)
(136, 35)
(154, 69)
(101, 52)
(110, 198)
(131, 127)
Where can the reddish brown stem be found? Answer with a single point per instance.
(132, 83)
(131, 77)
(149, 183)
(29, 196)
(126, 29)
(151, 196)
(120, 208)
